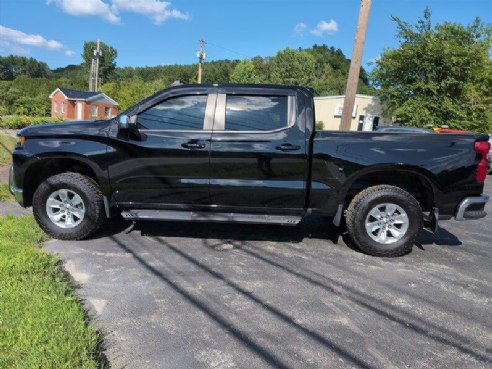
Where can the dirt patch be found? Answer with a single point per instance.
(10, 132)
(4, 173)
(13, 208)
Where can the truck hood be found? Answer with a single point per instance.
(84, 127)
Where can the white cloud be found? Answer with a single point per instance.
(16, 38)
(69, 53)
(323, 27)
(156, 10)
(300, 28)
(10, 48)
(87, 8)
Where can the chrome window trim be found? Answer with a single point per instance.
(220, 112)
(219, 122)
(171, 131)
(209, 112)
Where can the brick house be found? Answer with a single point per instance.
(82, 105)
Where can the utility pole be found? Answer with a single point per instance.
(353, 77)
(201, 55)
(94, 74)
(91, 76)
(98, 53)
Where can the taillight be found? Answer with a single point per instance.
(482, 148)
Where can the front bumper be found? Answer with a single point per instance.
(17, 192)
(472, 208)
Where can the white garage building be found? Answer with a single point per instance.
(367, 112)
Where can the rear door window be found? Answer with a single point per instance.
(256, 113)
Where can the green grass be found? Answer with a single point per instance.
(7, 144)
(42, 324)
(5, 194)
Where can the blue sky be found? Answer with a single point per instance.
(154, 32)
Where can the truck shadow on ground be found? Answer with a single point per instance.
(442, 238)
(311, 227)
(241, 238)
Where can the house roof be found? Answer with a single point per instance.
(83, 95)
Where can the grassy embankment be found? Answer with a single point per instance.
(42, 324)
(7, 144)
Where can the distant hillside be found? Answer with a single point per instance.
(25, 83)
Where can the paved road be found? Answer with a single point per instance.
(177, 295)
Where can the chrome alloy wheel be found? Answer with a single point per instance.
(387, 223)
(65, 208)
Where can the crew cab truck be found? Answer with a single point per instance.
(246, 153)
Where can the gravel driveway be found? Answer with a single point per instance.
(179, 295)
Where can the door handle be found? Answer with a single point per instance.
(287, 147)
(193, 145)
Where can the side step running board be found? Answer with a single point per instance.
(143, 214)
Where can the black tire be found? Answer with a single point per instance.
(367, 200)
(92, 198)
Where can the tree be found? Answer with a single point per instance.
(262, 67)
(244, 72)
(13, 66)
(218, 71)
(438, 75)
(127, 93)
(107, 64)
(291, 67)
(321, 67)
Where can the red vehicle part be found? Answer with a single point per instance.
(482, 148)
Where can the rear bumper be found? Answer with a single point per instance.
(16, 191)
(472, 208)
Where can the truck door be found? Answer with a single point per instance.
(169, 163)
(258, 154)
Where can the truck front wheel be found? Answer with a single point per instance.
(384, 221)
(68, 206)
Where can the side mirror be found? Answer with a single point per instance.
(127, 127)
(125, 121)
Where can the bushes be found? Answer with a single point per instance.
(32, 106)
(21, 121)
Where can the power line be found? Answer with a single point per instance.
(227, 49)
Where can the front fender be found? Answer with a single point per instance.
(42, 157)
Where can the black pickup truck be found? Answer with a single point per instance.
(246, 153)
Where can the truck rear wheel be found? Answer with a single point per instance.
(384, 221)
(69, 206)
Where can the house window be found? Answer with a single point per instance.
(63, 106)
(55, 106)
(107, 112)
(94, 111)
